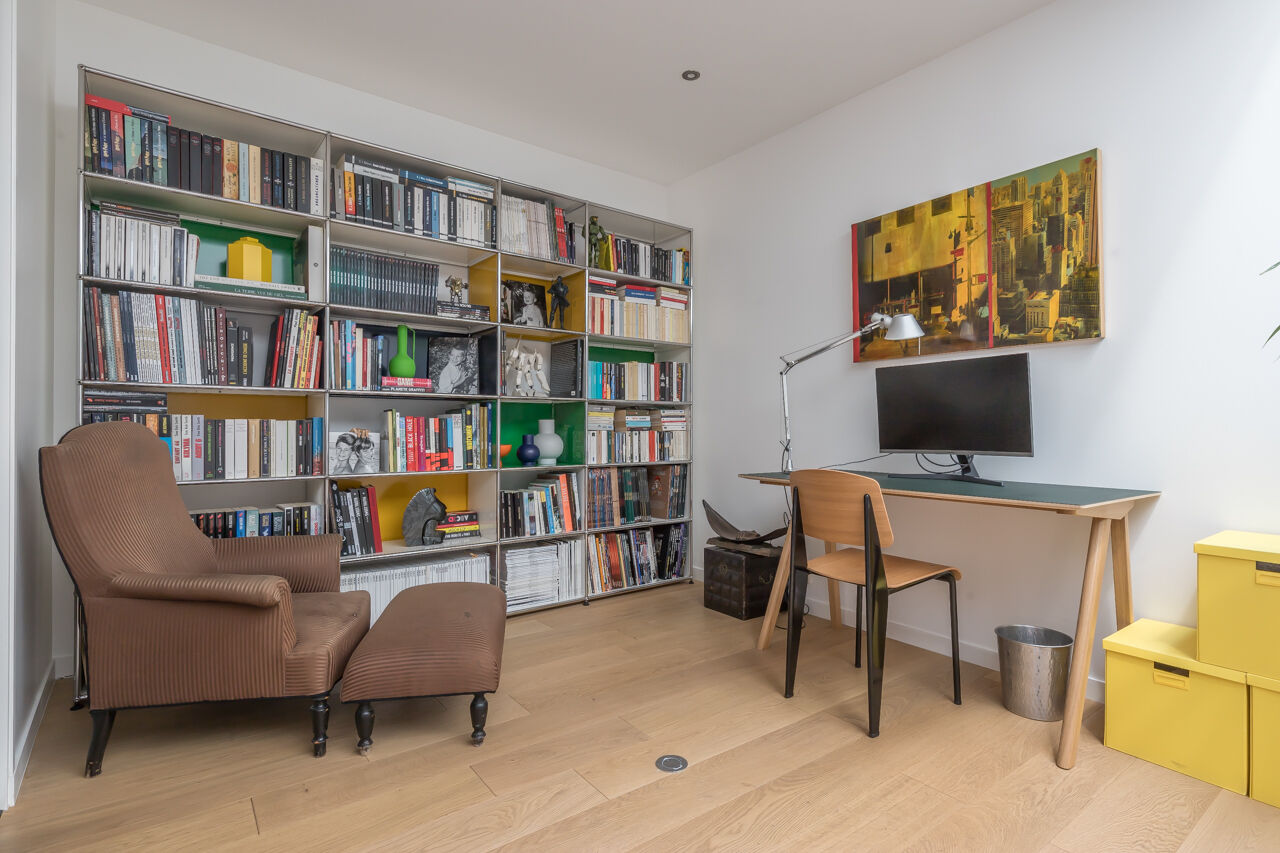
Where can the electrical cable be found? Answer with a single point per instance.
(939, 467)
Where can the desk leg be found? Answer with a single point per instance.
(833, 594)
(1081, 656)
(780, 579)
(1120, 571)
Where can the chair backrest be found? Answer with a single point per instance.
(831, 506)
(113, 506)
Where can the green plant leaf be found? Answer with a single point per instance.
(1270, 268)
(1274, 332)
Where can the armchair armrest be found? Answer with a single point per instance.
(308, 563)
(253, 590)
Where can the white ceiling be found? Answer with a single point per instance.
(595, 79)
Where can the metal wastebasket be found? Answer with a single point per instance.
(1033, 670)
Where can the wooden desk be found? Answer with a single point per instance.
(1109, 511)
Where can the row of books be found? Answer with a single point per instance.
(130, 243)
(148, 408)
(207, 448)
(384, 584)
(546, 506)
(449, 208)
(627, 495)
(293, 350)
(603, 416)
(355, 516)
(539, 229)
(287, 519)
(637, 311)
(145, 337)
(636, 257)
(662, 381)
(539, 575)
(632, 558)
(606, 447)
(460, 440)
(143, 145)
(370, 280)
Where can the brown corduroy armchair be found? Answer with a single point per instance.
(173, 617)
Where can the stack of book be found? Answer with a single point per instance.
(670, 550)
(632, 558)
(144, 337)
(384, 584)
(369, 280)
(546, 506)
(449, 208)
(627, 495)
(355, 516)
(148, 408)
(289, 519)
(662, 381)
(460, 440)
(538, 229)
(142, 145)
(460, 525)
(538, 575)
(361, 356)
(636, 311)
(637, 435)
(128, 243)
(293, 350)
(245, 449)
(638, 258)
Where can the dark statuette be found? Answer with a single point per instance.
(421, 516)
(559, 301)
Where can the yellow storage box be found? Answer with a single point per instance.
(1168, 708)
(1264, 741)
(1239, 601)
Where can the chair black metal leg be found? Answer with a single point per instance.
(479, 713)
(857, 637)
(955, 640)
(877, 624)
(799, 586)
(364, 727)
(320, 724)
(102, 723)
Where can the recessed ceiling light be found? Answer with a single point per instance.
(691, 74)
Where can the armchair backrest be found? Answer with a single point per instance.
(833, 504)
(113, 506)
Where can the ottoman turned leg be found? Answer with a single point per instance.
(320, 724)
(479, 711)
(364, 727)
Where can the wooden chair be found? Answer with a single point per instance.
(844, 508)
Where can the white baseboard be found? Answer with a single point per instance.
(25, 734)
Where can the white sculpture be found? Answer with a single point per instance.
(529, 375)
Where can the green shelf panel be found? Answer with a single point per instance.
(214, 240)
(519, 418)
(617, 355)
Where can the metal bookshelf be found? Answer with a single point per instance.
(483, 266)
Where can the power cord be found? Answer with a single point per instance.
(923, 460)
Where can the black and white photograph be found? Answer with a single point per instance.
(354, 452)
(454, 364)
(525, 365)
(524, 304)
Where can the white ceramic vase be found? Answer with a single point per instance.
(550, 445)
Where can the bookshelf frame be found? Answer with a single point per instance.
(491, 263)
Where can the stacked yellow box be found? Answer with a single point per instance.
(1207, 702)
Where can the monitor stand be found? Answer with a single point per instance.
(968, 473)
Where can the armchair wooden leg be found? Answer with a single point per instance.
(364, 727)
(320, 724)
(857, 637)
(955, 640)
(479, 713)
(795, 620)
(102, 723)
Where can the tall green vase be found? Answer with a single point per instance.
(402, 364)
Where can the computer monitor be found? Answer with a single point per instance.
(962, 407)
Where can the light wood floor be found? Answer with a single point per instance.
(590, 697)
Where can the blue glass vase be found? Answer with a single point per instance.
(528, 452)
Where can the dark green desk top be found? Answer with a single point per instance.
(1030, 495)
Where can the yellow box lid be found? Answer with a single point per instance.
(1272, 684)
(1242, 545)
(1163, 642)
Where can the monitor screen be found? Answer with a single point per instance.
(969, 406)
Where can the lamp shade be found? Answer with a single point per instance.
(903, 327)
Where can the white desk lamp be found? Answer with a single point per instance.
(901, 327)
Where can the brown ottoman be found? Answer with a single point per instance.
(439, 639)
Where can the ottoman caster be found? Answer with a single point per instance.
(364, 727)
(479, 712)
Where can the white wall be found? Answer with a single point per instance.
(1180, 98)
(91, 36)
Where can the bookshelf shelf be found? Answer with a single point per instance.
(643, 404)
(482, 265)
(592, 596)
(638, 464)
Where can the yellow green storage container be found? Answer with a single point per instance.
(1168, 708)
(1239, 601)
(1264, 740)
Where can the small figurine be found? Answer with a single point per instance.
(456, 286)
(421, 516)
(595, 242)
(559, 301)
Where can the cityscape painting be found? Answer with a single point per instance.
(1031, 239)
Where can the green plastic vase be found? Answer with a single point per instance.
(402, 364)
